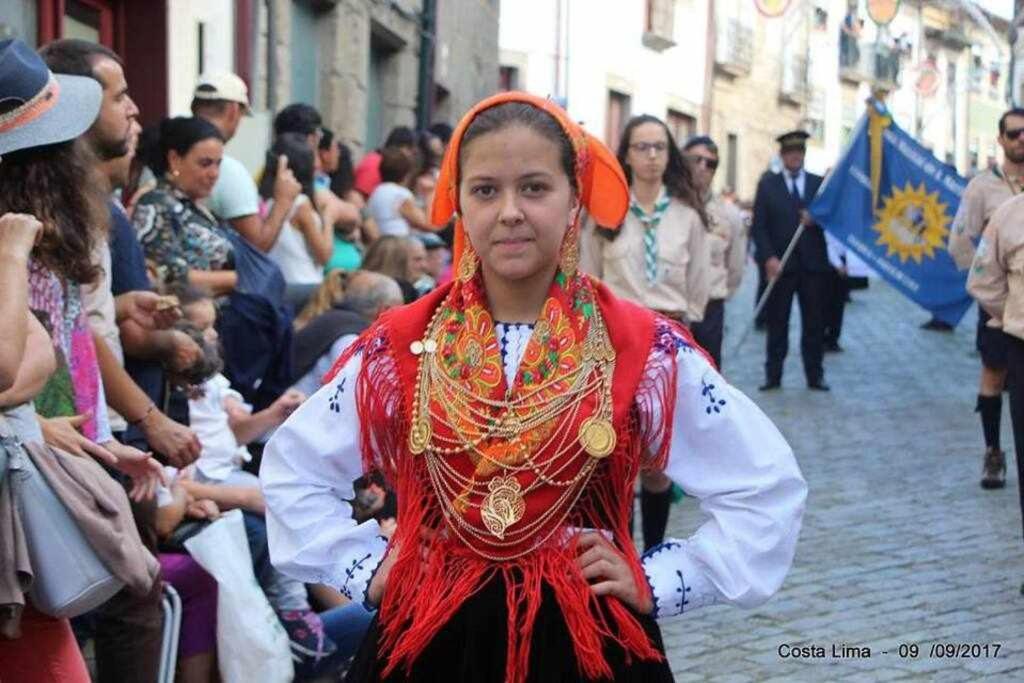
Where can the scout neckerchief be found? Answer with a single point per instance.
(650, 222)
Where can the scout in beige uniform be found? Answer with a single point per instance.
(997, 282)
(986, 192)
(727, 241)
(659, 257)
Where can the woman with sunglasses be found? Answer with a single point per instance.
(728, 245)
(659, 257)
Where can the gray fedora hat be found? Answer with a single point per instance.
(37, 107)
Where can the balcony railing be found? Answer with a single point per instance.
(734, 50)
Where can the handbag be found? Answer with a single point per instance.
(68, 577)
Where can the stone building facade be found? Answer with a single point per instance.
(359, 61)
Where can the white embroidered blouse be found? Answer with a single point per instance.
(725, 452)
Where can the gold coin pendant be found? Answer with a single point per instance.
(597, 437)
(419, 436)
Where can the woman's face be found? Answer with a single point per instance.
(516, 203)
(648, 152)
(195, 173)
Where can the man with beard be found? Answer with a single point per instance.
(127, 628)
(986, 192)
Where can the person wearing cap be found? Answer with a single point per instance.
(780, 206)
(727, 241)
(986, 192)
(65, 408)
(511, 412)
(222, 98)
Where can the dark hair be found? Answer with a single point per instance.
(203, 106)
(401, 136)
(344, 179)
(428, 159)
(75, 57)
(442, 130)
(60, 185)
(300, 161)
(395, 165)
(208, 365)
(297, 118)
(520, 113)
(678, 178)
(180, 133)
(326, 139)
(701, 141)
(1015, 111)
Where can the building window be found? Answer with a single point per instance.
(682, 126)
(659, 24)
(91, 20)
(619, 107)
(508, 78)
(731, 161)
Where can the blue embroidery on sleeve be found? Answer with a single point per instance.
(334, 402)
(708, 392)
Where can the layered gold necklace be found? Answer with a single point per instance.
(492, 451)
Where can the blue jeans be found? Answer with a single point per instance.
(346, 626)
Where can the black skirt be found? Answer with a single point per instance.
(470, 648)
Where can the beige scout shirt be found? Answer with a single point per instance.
(996, 279)
(986, 192)
(684, 262)
(728, 246)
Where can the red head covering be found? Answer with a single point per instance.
(604, 192)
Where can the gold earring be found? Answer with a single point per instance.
(569, 261)
(468, 264)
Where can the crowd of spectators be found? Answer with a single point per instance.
(179, 308)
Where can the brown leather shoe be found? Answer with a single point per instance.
(993, 475)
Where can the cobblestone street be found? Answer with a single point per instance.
(900, 545)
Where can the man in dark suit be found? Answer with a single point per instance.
(779, 207)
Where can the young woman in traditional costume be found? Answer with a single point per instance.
(512, 412)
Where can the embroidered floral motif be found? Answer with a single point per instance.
(648, 566)
(552, 349)
(681, 592)
(334, 402)
(358, 565)
(470, 350)
(708, 392)
(667, 340)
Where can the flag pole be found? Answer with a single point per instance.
(768, 290)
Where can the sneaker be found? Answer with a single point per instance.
(993, 474)
(312, 651)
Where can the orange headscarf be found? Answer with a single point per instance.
(604, 192)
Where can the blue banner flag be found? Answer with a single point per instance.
(892, 202)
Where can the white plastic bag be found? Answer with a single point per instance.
(252, 646)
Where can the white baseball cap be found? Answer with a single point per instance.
(222, 85)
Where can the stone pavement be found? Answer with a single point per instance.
(899, 545)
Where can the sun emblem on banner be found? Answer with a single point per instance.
(912, 223)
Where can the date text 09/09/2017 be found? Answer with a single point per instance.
(937, 650)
